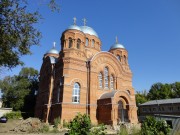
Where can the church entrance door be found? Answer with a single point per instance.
(122, 112)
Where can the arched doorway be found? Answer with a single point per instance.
(122, 111)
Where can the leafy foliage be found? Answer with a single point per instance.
(13, 115)
(14, 90)
(153, 127)
(176, 89)
(18, 31)
(80, 125)
(160, 91)
(141, 97)
(53, 5)
(18, 91)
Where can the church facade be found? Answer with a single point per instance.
(80, 78)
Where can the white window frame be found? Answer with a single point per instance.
(76, 93)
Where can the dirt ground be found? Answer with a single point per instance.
(6, 127)
(22, 127)
(9, 129)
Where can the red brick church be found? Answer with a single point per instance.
(82, 78)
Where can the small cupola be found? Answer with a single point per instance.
(119, 51)
(117, 45)
(52, 51)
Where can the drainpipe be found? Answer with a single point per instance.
(50, 93)
(87, 93)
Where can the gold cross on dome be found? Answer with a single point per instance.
(74, 20)
(85, 21)
(116, 39)
(54, 44)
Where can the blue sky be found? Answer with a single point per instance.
(149, 30)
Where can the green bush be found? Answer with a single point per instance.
(13, 115)
(57, 122)
(80, 125)
(151, 126)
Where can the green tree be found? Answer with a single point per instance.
(18, 91)
(151, 126)
(176, 89)
(18, 31)
(31, 75)
(141, 97)
(160, 91)
(14, 90)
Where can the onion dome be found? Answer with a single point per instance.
(117, 45)
(88, 30)
(74, 27)
(53, 50)
(85, 29)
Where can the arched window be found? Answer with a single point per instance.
(76, 93)
(87, 41)
(112, 82)
(119, 57)
(106, 80)
(128, 92)
(92, 43)
(70, 42)
(100, 80)
(125, 59)
(78, 43)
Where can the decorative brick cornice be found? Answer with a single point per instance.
(74, 105)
